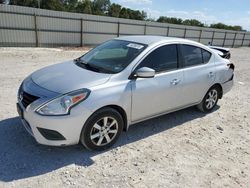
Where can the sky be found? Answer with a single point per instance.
(232, 12)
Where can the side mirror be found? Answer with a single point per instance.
(144, 72)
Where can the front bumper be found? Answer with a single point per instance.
(55, 130)
(50, 130)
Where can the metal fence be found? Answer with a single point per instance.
(24, 26)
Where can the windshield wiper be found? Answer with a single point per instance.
(84, 64)
(88, 66)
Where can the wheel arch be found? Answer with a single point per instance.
(121, 111)
(218, 85)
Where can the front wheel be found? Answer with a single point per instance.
(210, 100)
(102, 129)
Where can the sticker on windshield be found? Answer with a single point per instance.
(136, 46)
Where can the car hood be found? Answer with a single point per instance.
(67, 76)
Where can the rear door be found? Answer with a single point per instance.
(152, 96)
(198, 71)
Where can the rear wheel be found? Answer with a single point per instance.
(102, 129)
(210, 100)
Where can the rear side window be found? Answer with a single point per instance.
(162, 59)
(192, 55)
(206, 56)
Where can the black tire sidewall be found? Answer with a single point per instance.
(86, 131)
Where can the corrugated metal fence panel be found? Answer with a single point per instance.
(58, 31)
(176, 32)
(55, 28)
(156, 31)
(17, 38)
(53, 39)
(17, 21)
(93, 39)
(126, 29)
(58, 24)
(100, 27)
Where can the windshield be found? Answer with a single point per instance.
(112, 56)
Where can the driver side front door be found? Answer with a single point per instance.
(162, 93)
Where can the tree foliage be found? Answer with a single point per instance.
(114, 10)
(170, 20)
(84, 7)
(100, 7)
(105, 7)
(194, 22)
(224, 26)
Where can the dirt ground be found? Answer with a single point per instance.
(182, 149)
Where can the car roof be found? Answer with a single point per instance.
(151, 39)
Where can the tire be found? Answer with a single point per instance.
(102, 129)
(210, 100)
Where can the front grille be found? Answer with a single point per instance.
(26, 98)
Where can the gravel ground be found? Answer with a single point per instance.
(181, 149)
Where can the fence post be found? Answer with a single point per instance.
(224, 39)
(36, 33)
(242, 42)
(212, 37)
(200, 35)
(145, 29)
(168, 31)
(185, 31)
(234, 40)
(118, 29)
(81, 37)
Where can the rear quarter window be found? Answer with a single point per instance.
(193, 55)
(206, 56)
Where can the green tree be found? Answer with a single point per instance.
(237, 28)
(124, 13)
(193, 22)
(100, 7)
(114, 10)
(84, 7)
(52, 5)
(224, 26)
(70, 5)
(132, 14)
(171, 20)
(28, 3)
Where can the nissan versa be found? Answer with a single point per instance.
(120, 82)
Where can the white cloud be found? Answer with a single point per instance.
(136, 1)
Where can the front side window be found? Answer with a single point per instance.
(162, 59)
(111, 57)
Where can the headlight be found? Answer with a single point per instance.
(62, 105)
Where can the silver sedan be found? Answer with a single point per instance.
(121, 82)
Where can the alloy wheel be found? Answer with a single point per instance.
(211, 99)
(104, 131)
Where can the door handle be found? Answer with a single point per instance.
(175, 81)
(210, 74)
